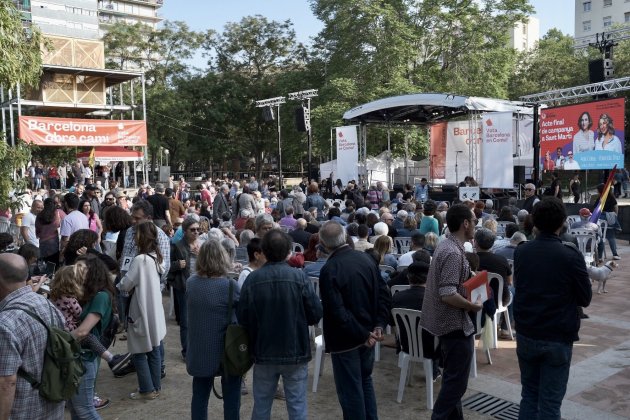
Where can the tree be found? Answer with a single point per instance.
(20, 57)
(552, 64)
(20, 63)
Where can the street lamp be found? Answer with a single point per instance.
(301, 96)
(268, 103)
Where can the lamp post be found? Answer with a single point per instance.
(301, 96)
(277, 101)
(456, 171)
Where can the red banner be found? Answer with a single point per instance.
(46, 131)
(438, 150)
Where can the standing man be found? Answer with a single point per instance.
(27, 230)
(161, 214)
(356, 310)
(276, 306)
(23, 344)
(75, 220)
(175, 207)
(421, 192)
(445, 311)
(221, 205)
(546, 303)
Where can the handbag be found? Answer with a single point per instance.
(236, 358)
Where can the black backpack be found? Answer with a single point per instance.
(63, 367)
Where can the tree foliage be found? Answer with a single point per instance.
(20, 58)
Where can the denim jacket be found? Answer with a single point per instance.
(277, 304)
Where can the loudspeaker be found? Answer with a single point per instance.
(596, 71)
(609, 73)
(519, 175)
(267, 114)
(608, 63)
(300, 123)
(449, 188)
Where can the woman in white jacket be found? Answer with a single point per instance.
(147, 325)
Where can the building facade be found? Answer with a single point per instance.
(524, 35)
(130, 11)
(596, 16)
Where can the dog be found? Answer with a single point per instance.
(601, 274)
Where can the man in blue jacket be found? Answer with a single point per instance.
(356, 309)
(552, 282)
(276, 306)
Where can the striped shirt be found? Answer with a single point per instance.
(447, 274)
(22, 344)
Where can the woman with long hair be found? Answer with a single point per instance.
(606, 138)
(47, 230)
(384, 245)
(146, 322)
(94, 221)
(207, 302)
(583, 140)
(78, 244)
(96, 300)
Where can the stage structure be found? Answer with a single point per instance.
(76, 84)
(429, 109)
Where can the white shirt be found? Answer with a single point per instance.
(73, 222)
(614, 145)
(571, 164)
(29, 221)
(583, 142)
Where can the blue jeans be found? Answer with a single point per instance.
(544, 374)
(81, 406)
(230, 389)
(148, 368)
(457, 354)
(180, 296)
(265, 384)
(353, 380)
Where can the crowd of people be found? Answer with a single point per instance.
(244, 252)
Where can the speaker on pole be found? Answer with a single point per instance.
(267, 114)
(300, 122)
(519, 175)
(596, 71)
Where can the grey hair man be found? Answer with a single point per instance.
(264, 223)
(23, 343)
(356, 305)
(531, 199)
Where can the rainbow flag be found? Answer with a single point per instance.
(91, 159)
(599, 206)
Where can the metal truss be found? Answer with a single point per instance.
(601, 88)
(613, 35)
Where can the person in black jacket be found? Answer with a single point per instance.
(552, 282)
(356, 310)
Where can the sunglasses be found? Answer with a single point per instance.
(193, 230)
(529, 189)
(110, 198)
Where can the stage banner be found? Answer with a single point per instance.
(497, 162)
(460, 135)
(47, 131)
(438, 151)
(347, 153)
(583, 136)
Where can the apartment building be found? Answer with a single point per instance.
(524, 35)
(130, 11)
(596, 16)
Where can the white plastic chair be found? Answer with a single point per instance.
(409, 321)
(386, 268)
(574, 218)
(402, 244)
(319, 360)
(603, 225)
(587, 244)
(501, 309)
(296, 247)
(5, 225)
(171, 300)
(473, 365)
(399, 288)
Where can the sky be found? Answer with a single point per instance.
(213, 14)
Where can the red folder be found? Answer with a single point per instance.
(480, 279)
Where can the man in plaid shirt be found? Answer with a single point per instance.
(23, 343)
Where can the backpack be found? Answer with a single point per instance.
(63, 367)
(236, 358)
(108, 337)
